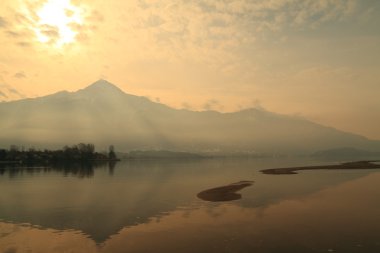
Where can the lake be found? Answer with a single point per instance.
(152, 206)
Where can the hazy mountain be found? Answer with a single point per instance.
(103, 114)
(347, 153)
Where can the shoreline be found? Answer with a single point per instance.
(343, 166)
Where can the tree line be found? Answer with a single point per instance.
(77, 153)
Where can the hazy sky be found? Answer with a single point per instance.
(316, 58)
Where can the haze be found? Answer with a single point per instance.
(315, 58)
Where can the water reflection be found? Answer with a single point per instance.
(152, 207)
(81, 170)
(111, 167)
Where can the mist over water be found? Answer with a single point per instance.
(152, 206)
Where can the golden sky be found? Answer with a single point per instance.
(316, 58)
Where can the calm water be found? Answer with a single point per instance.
(152, 206)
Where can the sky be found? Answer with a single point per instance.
(318, 59)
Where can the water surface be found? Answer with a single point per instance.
(152, 206)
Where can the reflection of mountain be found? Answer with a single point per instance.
(99, 206)
(103, 114)
(309, 223)
(141, 191)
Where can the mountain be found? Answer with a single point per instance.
(347, 153)
(103, 114)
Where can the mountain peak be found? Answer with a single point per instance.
(102, 82)
(102, 86)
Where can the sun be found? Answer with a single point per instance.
(56, 22)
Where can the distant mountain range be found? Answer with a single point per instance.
(103, 114)
(347, 153)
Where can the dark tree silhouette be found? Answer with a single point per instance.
(3, 154)
(111, 153)
(83, 153)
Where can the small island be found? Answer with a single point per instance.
(224, 193)
(343, 166)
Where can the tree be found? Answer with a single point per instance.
(86, 150)
(111, 153)
(3, 154)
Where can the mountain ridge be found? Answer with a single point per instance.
(103, 114)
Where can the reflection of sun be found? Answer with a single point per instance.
(56, 21)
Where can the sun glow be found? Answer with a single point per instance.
(57, 22)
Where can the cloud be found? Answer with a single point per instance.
(95, 16)
(13, 34)
(21, 38)
(212, 104)
(2, 94)
(3, 22)
(20, 75)
(186, 106)
(18, 28)
(7, 92)
(153, 21)
(50, 31)
(103, 76)
(257, 104)
(217, 33)
(86, 29)
(14, 91)
(69, 13)
(23, 44)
